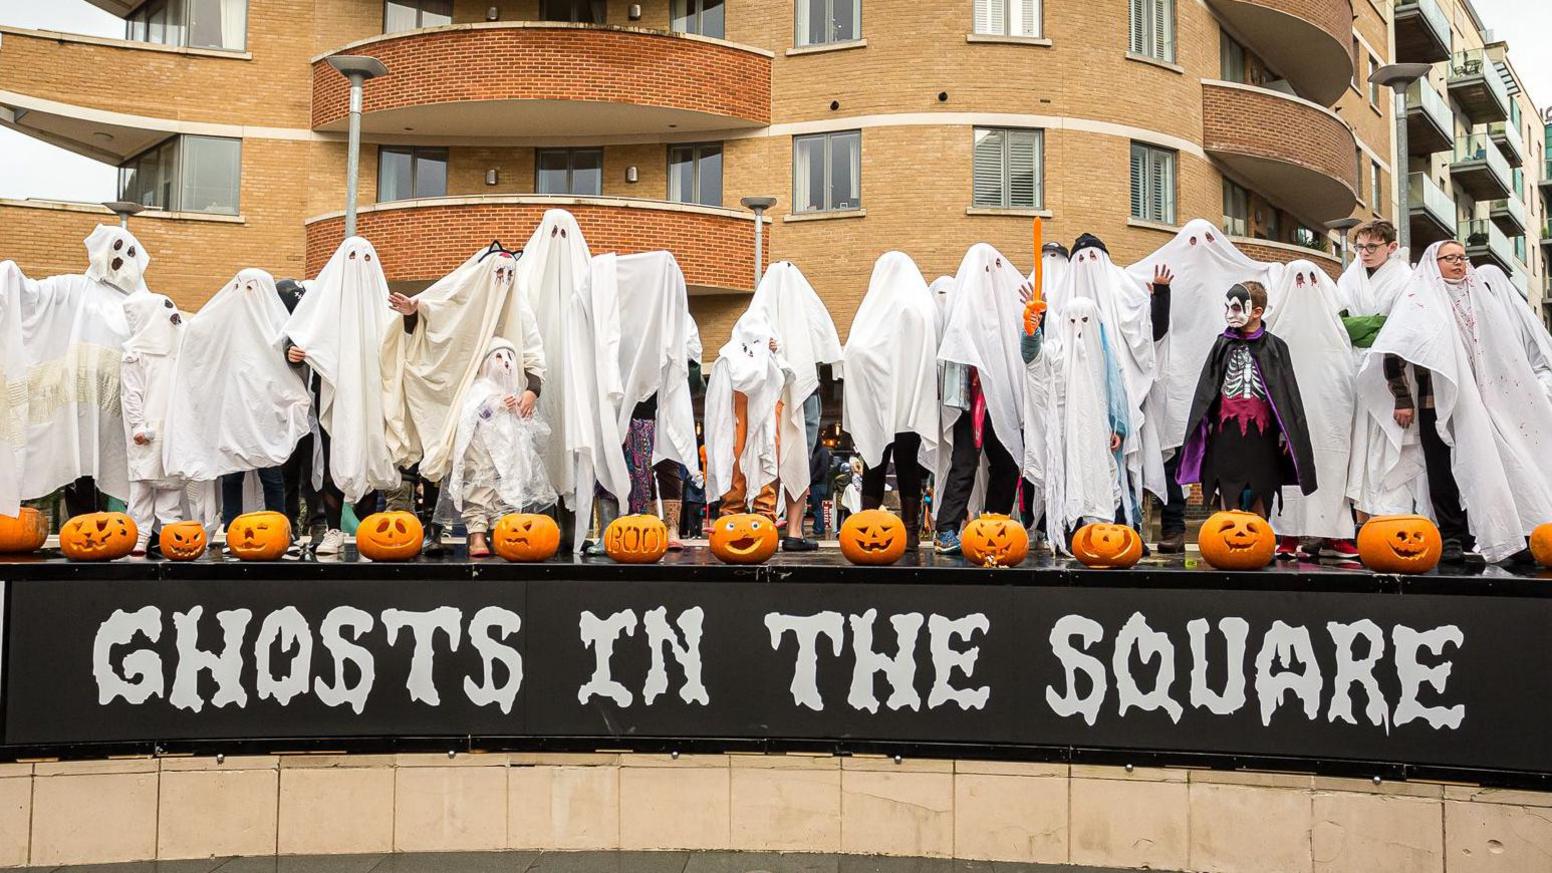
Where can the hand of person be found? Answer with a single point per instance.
(1034, 312)
(525, 406)
(142, 439)
(402, 304)
(510, 402)
(1115, 441)
(295, 355)
(1162, 275)
(1404, 417)
(1026, 291)
(773, 345)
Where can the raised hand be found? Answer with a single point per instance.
(1162, 275)
(402, 304)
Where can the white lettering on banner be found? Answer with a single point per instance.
(290, 628)
(1413, 674)
(688, 656)
(1286, 643)
(946, 659)
(423, 626)
(807, 628)
(142, 668)
(1351, 670)
(1073, 661)
(1235, 632)
(360, 622)
(494, 618)
(899, 670)
(225, 667)
(600, 634)
(1150, 645)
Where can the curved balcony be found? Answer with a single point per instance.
(422, 240)
(512, 79)
(1307, 41)
(1297, 153)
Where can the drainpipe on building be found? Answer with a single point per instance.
(358, 69)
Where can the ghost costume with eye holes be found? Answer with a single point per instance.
(74, 331)
(745, 365)
(13, 388)
(891, 356)
(1054, 263)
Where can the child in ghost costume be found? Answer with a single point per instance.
(13, 389)
(146, 382)
(740, 426)
(1532, 333)
(1054, 262)
(1247, 434)
(495, 467)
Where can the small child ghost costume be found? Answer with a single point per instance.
(496, 468)
(145, 378)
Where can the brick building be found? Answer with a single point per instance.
(877, 124)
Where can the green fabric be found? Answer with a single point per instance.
(1362, 329)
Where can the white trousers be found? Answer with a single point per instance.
(152, 505)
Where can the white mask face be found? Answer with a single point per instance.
(1236, 307)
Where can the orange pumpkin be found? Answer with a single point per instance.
(24, 532)
(1107, 545)
(1541, 544)
(745, 538)
(1400, 544)
(1236, 540)
(98, 536)
(526, 536)
(873, 537)
(994, 541)
(258, 536)
(636, 539)
(182, 540)
(390, 536)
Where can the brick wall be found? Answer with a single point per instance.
(1287, 254)
(520, 63)
(1333, 16)
(1266, 124)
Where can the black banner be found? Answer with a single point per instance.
(1436, 681)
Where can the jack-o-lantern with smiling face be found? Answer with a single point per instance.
(994, 541)
(873, 537)
(525, 537)
(390, 536)
(182, 540)
(1236, 540)
(744, 538)
(1400, 544)
(258, 536)
(1104, 545)
(98, 536)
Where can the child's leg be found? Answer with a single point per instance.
(168, 505)
(733, 500)
(142, 506)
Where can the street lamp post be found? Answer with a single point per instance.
(1342, 226)
(1398, 77)
(124, 209)
(758, 205)
(358, 69)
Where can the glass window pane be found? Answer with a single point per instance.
(551, 167)
(431, 172)
(211, 169)
(813, 21)
(435, 13)
(808, 173)
(1023, 169)
(848, 15)
(587, 172)
(713, 19)
(218, 24)
(395, 174)
(681, 174)
(399, 15)
(156, 25)
(845, 169)
(987, 176)
(708, 176)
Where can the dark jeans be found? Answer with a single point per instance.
(908, 472)
(298, 473)
(816, 506)
(82, 496)
(232, 493)
(1001, 483)
(332, 501)
(1172, 514)
(1442, 488)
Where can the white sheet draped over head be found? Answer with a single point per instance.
(151, 355)
(1302, 311)
(114, 256)
(941, 289)
(807, 338)
(985, 320)
(1532, 333)
(236, 404)
(13, 388)
(892, 363)
(1206, 264)
(1490, 408)
(1359, 293)
(340, 323)
(494, 448)
(1372, 455)
(428, 370)
(1078, 367)
(748, 366)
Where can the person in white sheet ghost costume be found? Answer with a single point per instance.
(1448, 365)
(644, 311)
(1204, 263)
(1302, 311)
(1054, 262)
(13, 389)
(890, 393)
(236, 405)
(941, 288)
(807, 338)
(436, 356)
(494, 467)
(1532, 333)
(338, 328)
(150, 358)
(1366, 292)
(746, 383)
(74, 330)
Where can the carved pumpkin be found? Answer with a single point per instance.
(636, 539)
(1400, 544)
(526, 536)
(994, 541)
(390, 536)
(98, 536)
(1236, 540)
(258, 536)
(24, 532)
(743, 539)
(1107, 545)
(873, 537)
(182, 540)
(1541, 544)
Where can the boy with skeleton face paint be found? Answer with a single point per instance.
(1246, 435)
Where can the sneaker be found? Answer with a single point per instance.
(1341, 550)
(1173, 543)
(332, 543)
(947, 543)
(798, 544)
(1454, 552)
(1288, 548)
(141, 543)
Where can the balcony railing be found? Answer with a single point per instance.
(1477, 87)
(1430, 121)
(1480, 168)
(1422, 32)
(1509, 215)
(1484, 239)
(1507, 135)
(1425, 198)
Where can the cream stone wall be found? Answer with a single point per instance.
(1160, 819)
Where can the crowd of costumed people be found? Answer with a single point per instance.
(550, 380)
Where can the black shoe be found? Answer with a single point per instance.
(1453, 552)
(1172, 543)
(1522, 559)
(434, 546)
(798, 544)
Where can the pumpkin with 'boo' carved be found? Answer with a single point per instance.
(182, 540)
(1235, 540)
(525, 537)
(744, 538)
(258, 536)
(1400, 544)
(390, 536)
(873, 537)
(994, 541)
(636, 539)
(1106, 545)
(98, 536)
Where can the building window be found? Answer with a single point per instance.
(185, 174)
(1374, 87)
(1007, 17)
(212, 24)
(695, 174)
(401, 15)
(1236, 209)
(576, 11)
(578, 172)
(1376, 190)
(1153, 29)
(826, 21)
(1309, 239)
(405, 173)
(703, 17)
(1007, 170)
(1153, 183)
(1231, 59)
(827, 172)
